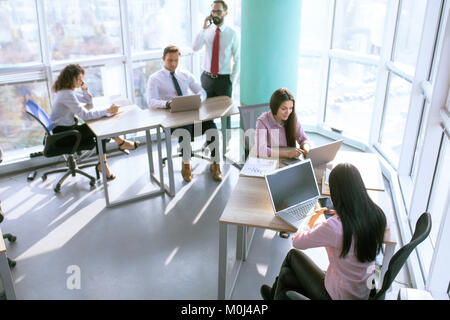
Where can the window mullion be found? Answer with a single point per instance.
(383, 74)
(44, 44)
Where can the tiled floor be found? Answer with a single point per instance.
(157, 248)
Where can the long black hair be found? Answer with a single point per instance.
(362, 220)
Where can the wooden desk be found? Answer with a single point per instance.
(5, 272)
(130, 119)
(367, 164)
(212, 108)
(249, 206)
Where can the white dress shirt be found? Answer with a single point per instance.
(160, 87)
(228, 48)
(68, 103)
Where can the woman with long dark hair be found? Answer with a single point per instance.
(352, 238)
(68, 103)
(280, 127)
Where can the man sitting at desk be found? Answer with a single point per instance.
(169, 82)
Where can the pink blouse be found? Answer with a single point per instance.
(346, 278)
(269, 133)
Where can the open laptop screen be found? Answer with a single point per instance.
(292, 185)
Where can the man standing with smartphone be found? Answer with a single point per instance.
(221, 44)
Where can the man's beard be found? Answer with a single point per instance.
(217, 20)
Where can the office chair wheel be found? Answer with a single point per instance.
(11, 263)
(92, 183)
(44, 177)
(57, 188)
(11, 238)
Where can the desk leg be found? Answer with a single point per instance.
(102, 165)
(5, 274)
(222, 285)
(241, 240)
(161, 170)
(169, 162)
(224, 130)
(389, 250)
(149, 152)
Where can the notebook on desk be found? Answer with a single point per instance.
(185, 103)
(293, 191)
(258, 167)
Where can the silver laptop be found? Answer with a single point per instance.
(320, 155)
(324, 154)
(185, 103)
(293, 191)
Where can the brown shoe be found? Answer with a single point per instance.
(215, 170)
(186, 171)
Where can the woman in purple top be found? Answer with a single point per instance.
(352, 238)
(279, 127)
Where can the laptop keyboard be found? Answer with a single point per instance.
(301, 211)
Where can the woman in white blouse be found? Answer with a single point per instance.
(68, 103)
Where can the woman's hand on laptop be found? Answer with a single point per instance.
(294, 153)
(305, 147)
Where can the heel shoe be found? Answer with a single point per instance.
(125, 150)
(97, 172)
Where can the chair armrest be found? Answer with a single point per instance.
(294, 295)
(52, 140)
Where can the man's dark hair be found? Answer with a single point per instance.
(224, 4)
(171, 49)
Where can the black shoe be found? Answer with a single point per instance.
(266, 292)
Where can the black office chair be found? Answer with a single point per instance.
(10, 238)
(248, 116)
(60, 144)
(421, 232)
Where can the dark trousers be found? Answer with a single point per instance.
(214, 87)
(220, 86)
(88, 138)
(299, 273)
(205, 127)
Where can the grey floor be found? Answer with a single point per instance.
(157, 248)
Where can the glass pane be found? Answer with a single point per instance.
(155, 24)
(394, 119)
(83, 28)
(314, 23)
(142, 70)
(350, 100)
(19, 35)
(104, 81)
(409, 32)
(18, 131)
(440, 188)
(308, 98)
(359, 25)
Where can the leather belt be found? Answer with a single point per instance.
(209, 74)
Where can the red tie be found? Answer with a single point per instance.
(215, 54)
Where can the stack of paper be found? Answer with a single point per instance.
(257, 167)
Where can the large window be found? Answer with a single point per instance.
(350, 99)
(119, 43)
(155, 24)
(19, 35)
(18, 131)
(83, 28)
